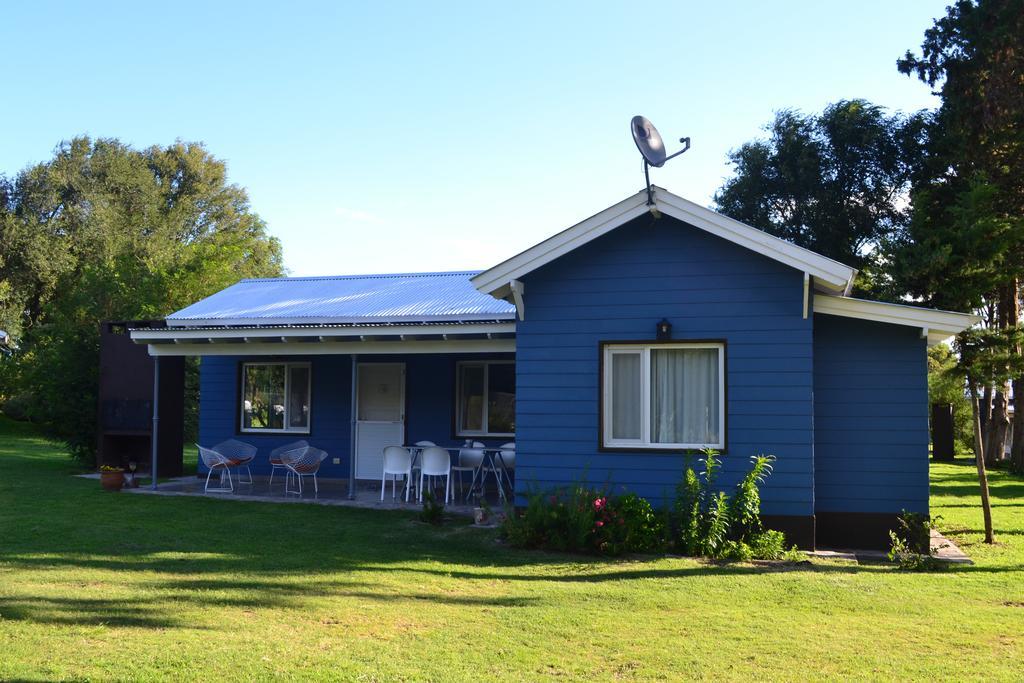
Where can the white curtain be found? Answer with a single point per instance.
(684, 396)
(626, 396)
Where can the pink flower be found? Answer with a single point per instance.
(598, 523)
(599, 503)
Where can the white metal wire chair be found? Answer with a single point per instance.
(302, 462)
(436, 462)
(224, 456)
(277, 463)
(397, 463)
(238, 454)
(214, 461)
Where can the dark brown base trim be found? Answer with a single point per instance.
(799, 530)
(855, 530)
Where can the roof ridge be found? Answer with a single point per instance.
(367, 276)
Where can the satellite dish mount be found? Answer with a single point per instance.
(652, 149)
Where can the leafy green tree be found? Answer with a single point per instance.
(104, 231)
(835, 183)
(987, 357)
(964, 247)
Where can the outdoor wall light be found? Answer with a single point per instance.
(664, 330)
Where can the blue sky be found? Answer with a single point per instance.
(390, 137)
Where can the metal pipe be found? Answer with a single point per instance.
(354, 375)
(156, 418)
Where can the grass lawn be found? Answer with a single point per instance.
(96, 585)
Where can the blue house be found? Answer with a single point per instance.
(606, 352)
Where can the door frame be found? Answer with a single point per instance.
(404, 401)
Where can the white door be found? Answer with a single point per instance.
(380, 415)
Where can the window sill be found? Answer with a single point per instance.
(667, 450)
(274, 431)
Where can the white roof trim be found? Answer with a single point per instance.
(361, 348)
(829, 275)
(936, 325)
(177, 335)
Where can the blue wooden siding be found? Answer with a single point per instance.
(430, 387)
(871, 416)
(615, 289)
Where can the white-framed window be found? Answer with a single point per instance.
(485, 398)
(275, 397)
(663, 395)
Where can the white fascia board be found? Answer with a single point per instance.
(940, 325)
(494, 279)
(336, 348)
(184, 334)
(249, 322)
(830, 276)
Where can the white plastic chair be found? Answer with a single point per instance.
(470, 460)
(397, 462)
(436, 462)
(275, 457)
(302, 462)
(420, 445)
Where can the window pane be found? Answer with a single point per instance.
(298, 399)
(685, 396)
(501, 399)
(626, 396)
(471, 398)
(263, 397)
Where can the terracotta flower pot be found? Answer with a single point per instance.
(480, 516)
(112, 481)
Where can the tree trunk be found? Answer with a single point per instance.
(986, 406)
(1017, 432)
(1017, 445)
(979, 459)
(997, 428)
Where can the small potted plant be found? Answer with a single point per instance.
(112, 477)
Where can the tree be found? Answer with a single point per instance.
(964, 247)
(987, 357)
(104, 231)
(835, 183)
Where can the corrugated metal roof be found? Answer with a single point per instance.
(405, 297)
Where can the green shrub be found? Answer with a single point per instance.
(910, 544)
(710, 523)
(433, 509)
(768, 545)
(561, 520)
(701, 521)
(745, 507)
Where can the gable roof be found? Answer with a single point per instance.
(355, 299)
(829, 276)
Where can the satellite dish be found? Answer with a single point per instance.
(648, 141)
(652, 148)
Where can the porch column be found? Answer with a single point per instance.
(352, 430)
(156, 418)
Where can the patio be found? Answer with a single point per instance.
(332, 492)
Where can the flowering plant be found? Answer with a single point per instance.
(111, 468)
